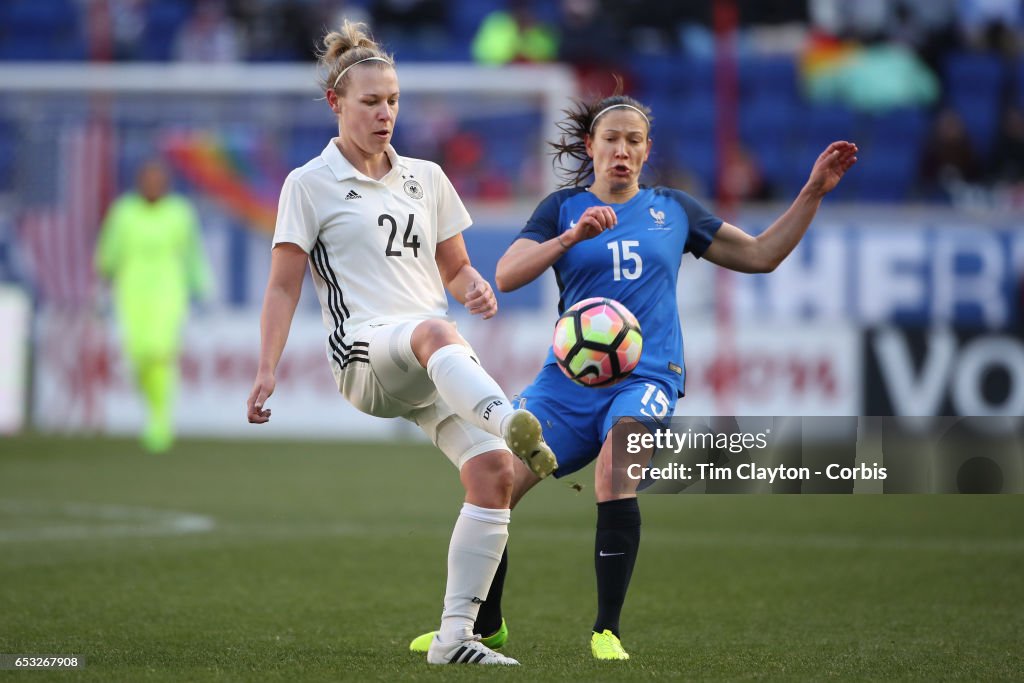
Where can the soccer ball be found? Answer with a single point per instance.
(597, 342)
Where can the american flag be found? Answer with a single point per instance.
(68, 189)
(60, 234)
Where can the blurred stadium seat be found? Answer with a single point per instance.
(896, 127)
(698, 77)
(699, 156)
(821, 124)
(892, 174)
(657, 75)
(766, 115)
(772, 77)
(163, 20)
(41, 31)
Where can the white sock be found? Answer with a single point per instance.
(468, 389)
(478, 541)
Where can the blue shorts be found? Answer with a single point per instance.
(576, 419)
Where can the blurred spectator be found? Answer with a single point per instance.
(863, 20)
(1008, 157)
(126, 20)
(416, 29)
(514, 35)
(929, 26)
(991, 24)
(210, 35)
(410, 19)
(592, 44)
(288, 30)
(741, 176)
(777, 27)
(654, 26)
(298, 25)
(588, 36)
(761, 12)
(948, 156)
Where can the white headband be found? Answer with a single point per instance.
(368, 59)
(593, 121)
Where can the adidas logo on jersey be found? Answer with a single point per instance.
(352, 194)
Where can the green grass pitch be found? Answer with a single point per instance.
(261, 561)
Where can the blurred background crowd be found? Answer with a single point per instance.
(932, 90)
(906, 297)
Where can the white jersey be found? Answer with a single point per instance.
(371, 243)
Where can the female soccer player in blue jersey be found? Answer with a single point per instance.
(618, 239)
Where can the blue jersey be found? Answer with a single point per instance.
(636, 263)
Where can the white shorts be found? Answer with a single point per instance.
(394, 384)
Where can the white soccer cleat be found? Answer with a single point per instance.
(470, 651)
(525, 439)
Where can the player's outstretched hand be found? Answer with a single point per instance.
(830, 166)
(480, 299)
(261, 391)
(593, 221)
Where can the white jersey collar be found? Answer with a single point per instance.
(344, 170)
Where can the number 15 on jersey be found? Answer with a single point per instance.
(626, 263)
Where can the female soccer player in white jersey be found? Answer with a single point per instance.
(618, 239)
(382, 236)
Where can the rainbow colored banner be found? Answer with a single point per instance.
(242, 175)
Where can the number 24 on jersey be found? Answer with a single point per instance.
(409, 240)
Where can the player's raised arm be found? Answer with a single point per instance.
(287, 268)
(736, 250)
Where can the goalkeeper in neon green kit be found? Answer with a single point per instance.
(149, 249)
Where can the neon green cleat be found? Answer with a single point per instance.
(606, 645)
(497, 639)
(494, 641)
(422, 643)
(525, 438)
